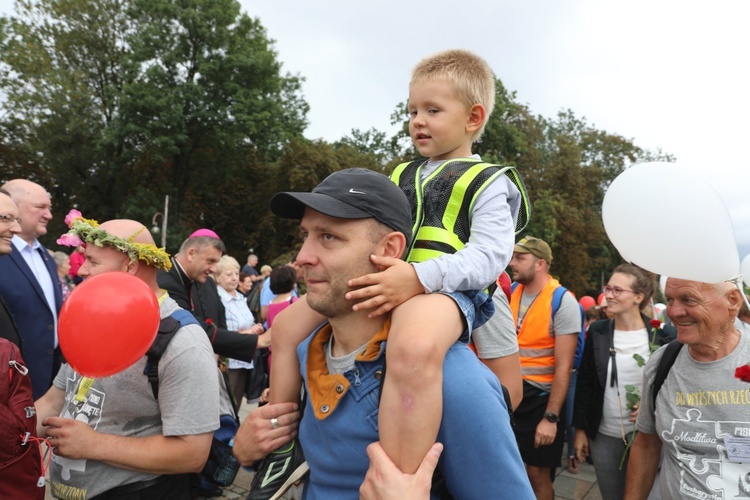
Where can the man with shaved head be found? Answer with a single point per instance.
(30, 284)
(700, 415)
(111, 437)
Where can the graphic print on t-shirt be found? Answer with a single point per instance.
(712, 476)
(88, 411)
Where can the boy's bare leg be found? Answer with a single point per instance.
(293, 325)
(422, 330)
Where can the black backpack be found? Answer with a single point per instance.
(221, 466)
(665, 364)
(167, 329)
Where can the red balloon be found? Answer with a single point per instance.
(107, 324)
(600, 299)
(586, 302)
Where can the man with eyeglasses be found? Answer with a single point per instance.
(30, 284)
(10, 225)
(547, 338)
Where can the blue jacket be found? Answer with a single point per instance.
(480, 458)
(34, 319)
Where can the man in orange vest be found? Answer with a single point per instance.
(547, 343)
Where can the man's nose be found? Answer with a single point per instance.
(305, 254)
(675, 311)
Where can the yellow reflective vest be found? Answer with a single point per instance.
(442, 219)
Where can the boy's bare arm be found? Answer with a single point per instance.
(383, 291)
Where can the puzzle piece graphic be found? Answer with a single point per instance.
(691, 437)
(733, 479)
(68, 465)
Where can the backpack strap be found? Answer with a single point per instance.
(184, 317)
(662, 371)
(168, 327)
(557, 296)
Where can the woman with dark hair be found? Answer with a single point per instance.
(612, 359)
(283, 281)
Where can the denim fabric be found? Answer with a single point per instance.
(606, 452)
(480, 459)
(477, 308)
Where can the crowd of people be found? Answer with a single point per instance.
(404, 362)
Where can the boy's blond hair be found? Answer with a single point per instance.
(470, 76)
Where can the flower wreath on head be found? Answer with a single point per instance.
(84, 231)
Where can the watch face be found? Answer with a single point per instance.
(552, 417)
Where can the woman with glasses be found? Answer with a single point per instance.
(615, 350)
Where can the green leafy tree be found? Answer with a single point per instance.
(61, 72)
(113, 101)
(205, 81)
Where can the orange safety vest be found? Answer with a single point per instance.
(536, 346)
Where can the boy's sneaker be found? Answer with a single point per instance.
(278, 472)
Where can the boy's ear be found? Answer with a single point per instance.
(477, 116)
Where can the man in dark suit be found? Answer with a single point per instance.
(30, 285)
(190, 285)
(9, 227)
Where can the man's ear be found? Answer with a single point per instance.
(393, 245)
(477, 116)
(734, 297)
(132, 267)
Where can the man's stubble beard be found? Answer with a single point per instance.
(332, 303)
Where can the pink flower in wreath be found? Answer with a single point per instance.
(72, 215)
(69, 240)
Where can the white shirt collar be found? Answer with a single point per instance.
(21, 244)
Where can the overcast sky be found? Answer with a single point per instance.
(667, 74)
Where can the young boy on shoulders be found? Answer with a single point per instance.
(464, 214)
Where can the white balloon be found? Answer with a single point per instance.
(695, 240)
(745, 270)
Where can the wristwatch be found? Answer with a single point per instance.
(551, 417)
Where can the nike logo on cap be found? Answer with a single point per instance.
(353, 191)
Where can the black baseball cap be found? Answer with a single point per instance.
(354, 193)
